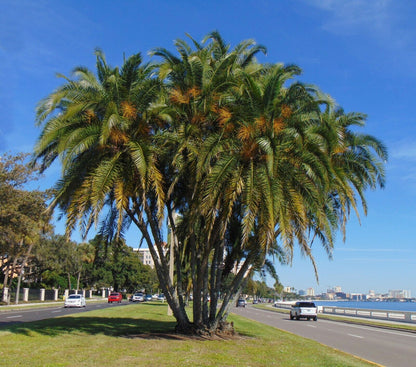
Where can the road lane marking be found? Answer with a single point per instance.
(311, 326)
(13, 317)
(375, 329)
(356, 336)
(57, 311)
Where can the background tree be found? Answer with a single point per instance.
(23, 216)
(115, 264)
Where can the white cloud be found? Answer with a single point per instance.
(404, 150)
(350, 17)
(386, 21)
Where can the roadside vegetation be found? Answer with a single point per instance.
(142, 335)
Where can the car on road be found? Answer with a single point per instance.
(148, 297)
(115, 297)
(161, 297)
(306, 310)
(75, 300)
(137, 297)
(241, 302)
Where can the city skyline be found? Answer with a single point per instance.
(362, 53)
(392, 293)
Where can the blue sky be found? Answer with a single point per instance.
(361, 52)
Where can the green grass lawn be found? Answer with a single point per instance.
(141, 335)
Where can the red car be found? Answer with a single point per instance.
(115, 297)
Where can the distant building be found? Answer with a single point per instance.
(145, 256)
(301, 292)
(310, 292)
(337, 289)
(289, 289)
(358, 297)
(372, 293)
(402, 293)
(341, 295)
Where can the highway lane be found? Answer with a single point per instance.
(34, 314)
(386, 347)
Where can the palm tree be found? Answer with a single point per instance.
(252, 163)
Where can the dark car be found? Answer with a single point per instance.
(241, 303)
(115, 297)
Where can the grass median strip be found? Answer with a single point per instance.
(141, 334)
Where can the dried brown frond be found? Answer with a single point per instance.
(176, 96)
(144, 129)
(214, 108)
(278, 125)
(224, 115)
(286, 111)
(261, 123)
(249, 150)
(228, 128)
(339, 149)
(128, 110)
(197, 118)
(194, 92)
(245, 132)
(89, 115)
(118, 137)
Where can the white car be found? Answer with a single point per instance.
(75, 300)
(305, 310)
(137, 297)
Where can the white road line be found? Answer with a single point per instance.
(376, 330)
(13, 317)
(356, 336)
(311, 326)
(56, 311)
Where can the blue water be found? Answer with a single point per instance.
(392, 306)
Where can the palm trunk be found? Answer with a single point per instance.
(5, 282)
(159, 259)
(78, 279)
(69, 281)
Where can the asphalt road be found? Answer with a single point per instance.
(385, 347)
(34, 314)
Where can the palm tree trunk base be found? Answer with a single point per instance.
(223, 330)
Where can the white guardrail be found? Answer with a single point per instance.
(390, 315)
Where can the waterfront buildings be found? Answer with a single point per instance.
(402, 293)
(336, 293)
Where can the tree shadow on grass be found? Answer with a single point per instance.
(111, 326)
(129, 328)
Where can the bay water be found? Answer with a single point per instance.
(371, 305)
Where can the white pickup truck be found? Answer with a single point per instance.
(306, 310)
